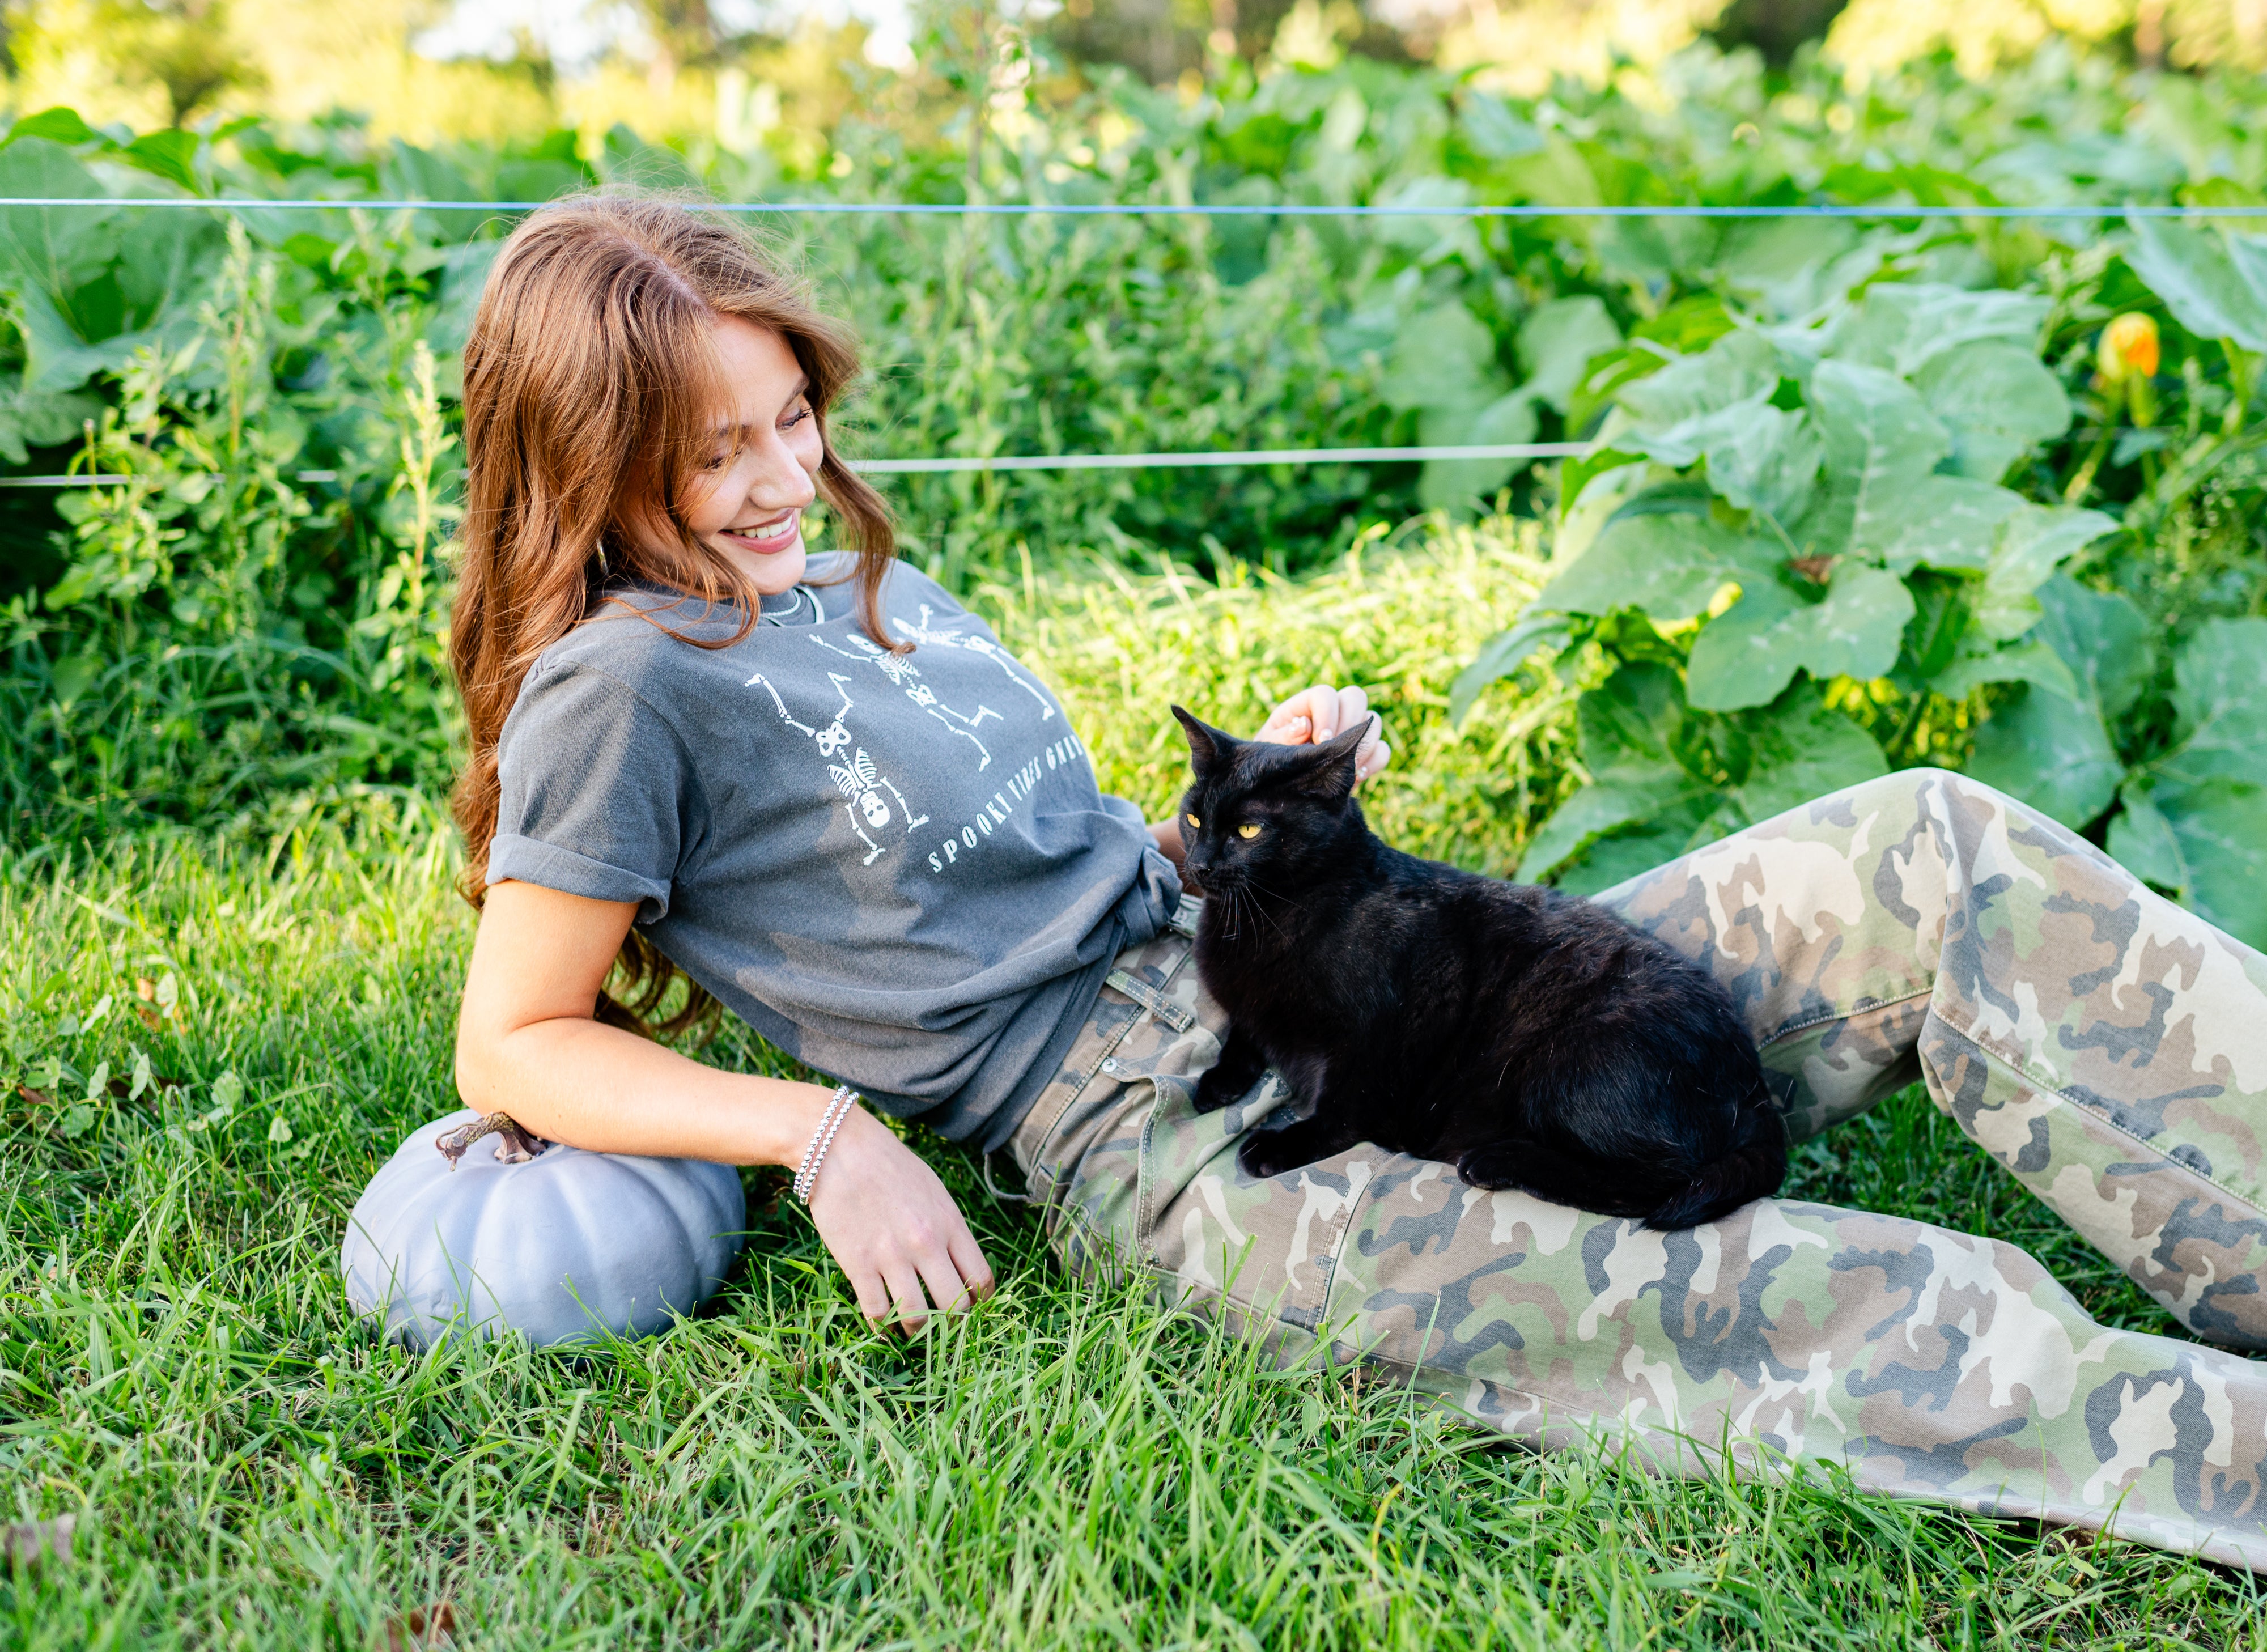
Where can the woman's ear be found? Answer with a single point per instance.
(1208, 747)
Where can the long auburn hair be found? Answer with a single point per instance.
(590, 380)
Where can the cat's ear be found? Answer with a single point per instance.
(1208, 747)
(1327, 771)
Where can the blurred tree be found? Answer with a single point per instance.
(1776, 27)
(185, 46)
(1163, 40)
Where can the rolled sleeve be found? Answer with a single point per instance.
(527, 861)
(596, 796)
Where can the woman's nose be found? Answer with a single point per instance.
(780, 482)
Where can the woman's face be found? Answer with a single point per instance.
(747, 498)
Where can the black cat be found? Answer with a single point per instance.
(1530, 1038)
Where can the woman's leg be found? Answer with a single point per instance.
(2102, 1044)
(1931, 1363)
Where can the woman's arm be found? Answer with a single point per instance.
(527, 1045)
(1316, 715)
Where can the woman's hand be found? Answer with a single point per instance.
(1322, 713)
(893, 1228)
(527, 1044)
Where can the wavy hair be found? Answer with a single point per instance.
(591, 376)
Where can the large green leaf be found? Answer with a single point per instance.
(2208, 843)
(2051, 752)
(1559, 340)
(171, 154)
(1574, 825)
(1793, 267)
(1441, 358)
(1503, 654)
(1900, 328)
(2028, 661)
(1669, 566)
(1801, 749)
(2031, 544)
(2219, 700)
(1698, 401)
(2211, 290)
(2051, 748)
(174, 257)
(1627, 730)
(1628, 851)
(2102, 638)
(1768, 463)
(1880, 443)
(1954, 523)
(56, 249)
(1997, 399)
(1748, 655)
(35, 418)
(1449, 483)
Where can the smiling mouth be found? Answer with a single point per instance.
(766, 538)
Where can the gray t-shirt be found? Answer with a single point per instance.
(895, 867)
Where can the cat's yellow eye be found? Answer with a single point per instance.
(1193, 821)
(1247, 831)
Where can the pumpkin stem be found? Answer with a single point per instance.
(515, 1145)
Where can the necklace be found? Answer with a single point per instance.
(801, 596)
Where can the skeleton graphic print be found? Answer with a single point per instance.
(860, 783)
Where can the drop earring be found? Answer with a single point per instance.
(605, 572)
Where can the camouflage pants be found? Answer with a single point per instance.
(2105, 1047)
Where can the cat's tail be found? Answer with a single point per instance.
(1752, 1167)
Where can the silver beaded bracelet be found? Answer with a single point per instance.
(837, 1109)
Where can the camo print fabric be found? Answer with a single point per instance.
(2107, 1047)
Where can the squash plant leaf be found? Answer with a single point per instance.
(1503, 654)
(1997, 399)
(2053, 749)
(1630, 730)
(1697, 401)
(1558, 342)
(2215, 284)
(2206, 842)
(1750, 655)
(1880, 443)
(1902, 327)
(1767, 462)
(1667, 566)
(1802, 749)
(2051, 752)
(2031, 543)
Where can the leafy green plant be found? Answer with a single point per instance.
(1796, 558)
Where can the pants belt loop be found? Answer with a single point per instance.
(1151, 1000)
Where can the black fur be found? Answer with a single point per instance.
(1531, 1038)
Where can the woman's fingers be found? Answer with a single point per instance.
(908, 1309)
(968, 1257)
(873, 1295)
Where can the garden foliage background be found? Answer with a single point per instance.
(1859, 493)
(1957, 531)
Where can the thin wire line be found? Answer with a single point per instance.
(1044, 209)
(1071, 461)
(1256, 456)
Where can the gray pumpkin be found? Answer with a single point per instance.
(564, 1246)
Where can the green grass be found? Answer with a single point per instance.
(1065, 1467)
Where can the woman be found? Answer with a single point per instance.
(825, 794)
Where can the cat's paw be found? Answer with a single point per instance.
(1213, 1092)
(1266, 1153)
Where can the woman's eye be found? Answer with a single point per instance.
(795, 418)
(1248, 831)
(1193, 821)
